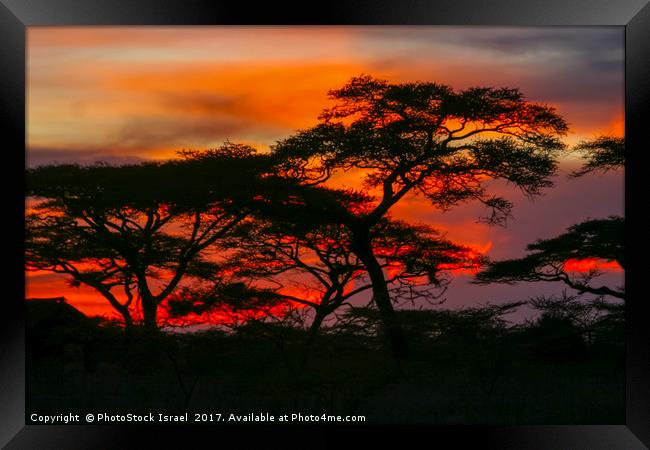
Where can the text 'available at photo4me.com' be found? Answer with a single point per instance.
(261, 417)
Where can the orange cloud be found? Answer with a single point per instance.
(113, 89)
(589, 264)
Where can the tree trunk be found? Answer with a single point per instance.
(312, 334)
(126, 315)
(316, 324)
(391, 327)
(149, 312)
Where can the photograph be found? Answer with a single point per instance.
(325, 224)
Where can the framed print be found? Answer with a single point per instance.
(277, 225)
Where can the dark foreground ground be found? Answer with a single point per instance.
(544, 373)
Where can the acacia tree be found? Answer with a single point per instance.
(316, 268)
(602, 239)
(427, 139)
(602, 154)
(133, 232)
(289, 251)
(548, 260)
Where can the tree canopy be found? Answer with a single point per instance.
(548, 258)
(429, 138)
(601, 155)
(133, 232)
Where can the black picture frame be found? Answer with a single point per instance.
(634, 15)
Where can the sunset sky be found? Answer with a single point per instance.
(124, 94)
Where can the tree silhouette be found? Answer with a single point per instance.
(218, 298)
(292, 255)
(549, 258)
(317, 268)
(428, 139)
(133, 232)
(590, 317)
(602, 239)
(601, 155)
